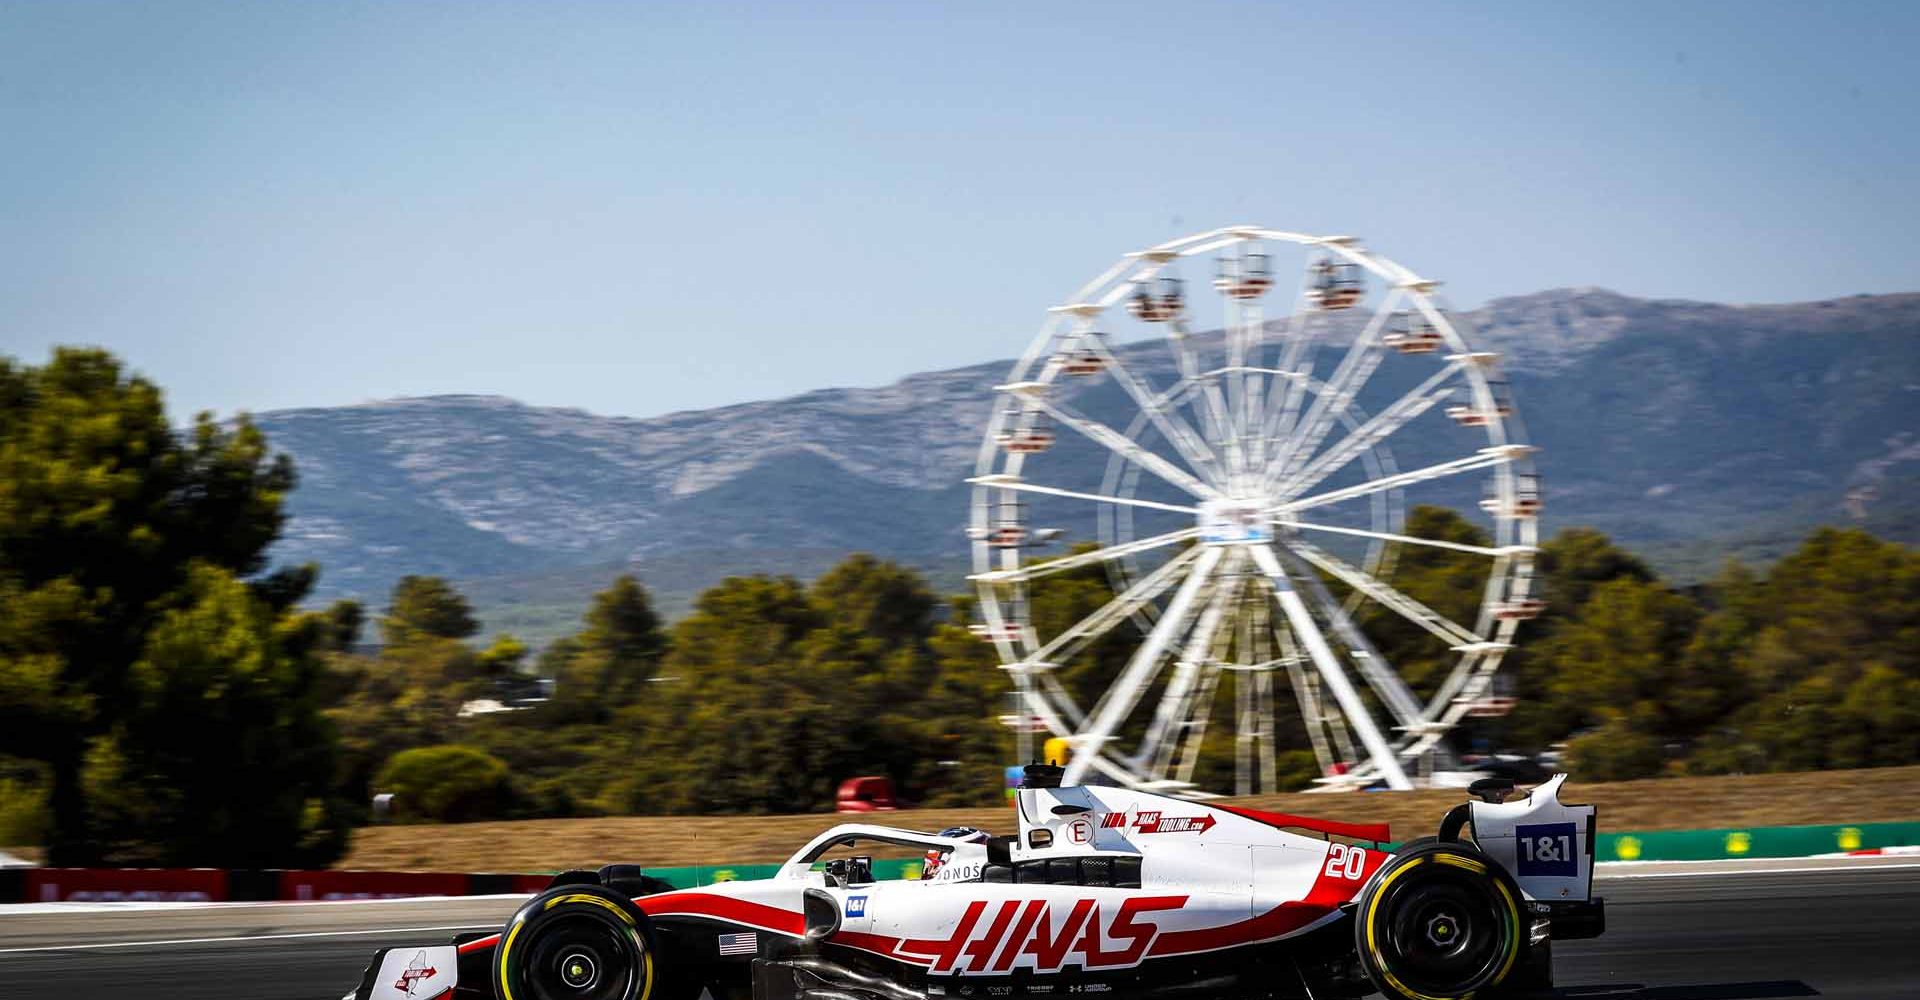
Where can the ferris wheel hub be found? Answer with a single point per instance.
(1236, 521)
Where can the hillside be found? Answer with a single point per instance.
(1682, 427)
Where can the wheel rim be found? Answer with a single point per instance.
(581, 957)
(1448, 932)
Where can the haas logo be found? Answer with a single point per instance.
(1030, 933)
(415, 972)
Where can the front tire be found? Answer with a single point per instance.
(575, 942)
(1440, 921)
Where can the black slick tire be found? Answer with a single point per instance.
(575, 942)
(1440, 921)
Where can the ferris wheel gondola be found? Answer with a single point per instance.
(1293, 507)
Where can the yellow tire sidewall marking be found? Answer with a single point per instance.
(1373, 906)
(646, 954)
(506, 948)
(1459, 862)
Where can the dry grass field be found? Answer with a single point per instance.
(1865, 796)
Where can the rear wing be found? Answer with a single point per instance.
(1547, 847)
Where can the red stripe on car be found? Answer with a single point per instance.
(479, 944)
(739, 911)
(1375, 832)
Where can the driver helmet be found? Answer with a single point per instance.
(936, 858)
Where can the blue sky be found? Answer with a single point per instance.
(644, 208)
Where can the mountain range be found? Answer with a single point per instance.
(1689, 430)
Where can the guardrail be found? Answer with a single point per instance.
(1753, 842)
(35, 885)
(220, 885)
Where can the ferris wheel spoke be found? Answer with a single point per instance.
(1184, 754)
(1474, 685)
(1308, 633)
(1373, 668)
(1485, 458)
(1213, 415)
(1438, 543)
(1008, 481)
(1470, 681)
(1113, 440)
(1068, 644)
(1310, 716)
(1201, 710)
(1359, 440)
(1169, 423)
(1448, 631)
(1138, 673)
(1452, 686)
(1059, 695)
(1047, 710)
(1361, 359)
(1039, 569)
(1172, 710)
(1291, 384)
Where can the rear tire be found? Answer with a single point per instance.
(1440, 921)
(575, 942)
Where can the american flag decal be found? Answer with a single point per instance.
(740, 944)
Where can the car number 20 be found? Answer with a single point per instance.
(1346, 862)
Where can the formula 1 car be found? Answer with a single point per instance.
(1103, 891)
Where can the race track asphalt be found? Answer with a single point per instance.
(1848, 929)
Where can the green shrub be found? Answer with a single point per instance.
(448, 784)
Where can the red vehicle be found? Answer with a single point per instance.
(872, 793)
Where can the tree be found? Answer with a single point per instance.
(222, 757)
(963, 745)
(733, 725)
(1823, 654)
(878, 598)
(426, 607)
(343, 622)
(772, 693)
(1576, 560)
(1620, 659)
(607, 665)
(103, 510)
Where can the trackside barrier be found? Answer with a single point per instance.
(324, 885)
(37, 885)
(218, 885)
(688, 877)
(116, 885)
(1752, 842)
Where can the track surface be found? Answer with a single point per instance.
(1846, 929)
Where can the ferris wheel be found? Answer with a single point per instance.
(1251, 512)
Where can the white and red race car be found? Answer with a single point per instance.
(1103, 891)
